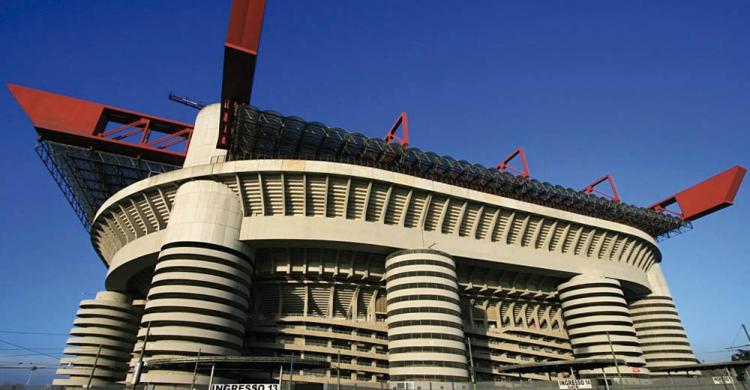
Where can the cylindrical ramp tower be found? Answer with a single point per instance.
(594, 306)
(425, 331)
(198, 297)
(658, 325)
(105, 326)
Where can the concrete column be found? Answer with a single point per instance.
(202, 149)
(425, 331)
(109, 321)
(198, 297)
(658, 325)
(593, 305)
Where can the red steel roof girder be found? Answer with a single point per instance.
(706, 197)
(82, 123)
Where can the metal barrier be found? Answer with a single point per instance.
(720, 382)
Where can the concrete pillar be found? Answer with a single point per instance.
(202, 149)
(198, 297)
(425, 331)
(593, 305)
(109, 321)
(658, 325)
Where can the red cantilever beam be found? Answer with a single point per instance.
(240, 55)
(83, 123)
(706, 197)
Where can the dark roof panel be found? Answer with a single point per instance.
(267, 134)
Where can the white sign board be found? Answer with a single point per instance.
(247, 386)
(573, 384)
(721, 380)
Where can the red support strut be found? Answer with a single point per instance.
(402, 122)
(590, 188)
(240, 55)
(504, 167)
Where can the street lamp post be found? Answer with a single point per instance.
(93, 369)
(139, 365)
(31, 371)
(614, 358)
(338, 370)
(291, 373)
(195, 369)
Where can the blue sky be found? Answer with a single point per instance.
(657, 93)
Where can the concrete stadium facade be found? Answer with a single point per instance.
(387, 276)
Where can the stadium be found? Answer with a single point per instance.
(254, 243)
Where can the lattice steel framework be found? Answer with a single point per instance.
(88, 177)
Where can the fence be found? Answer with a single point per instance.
(666, 383)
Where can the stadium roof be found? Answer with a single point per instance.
(88, 176)
(270, 135)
